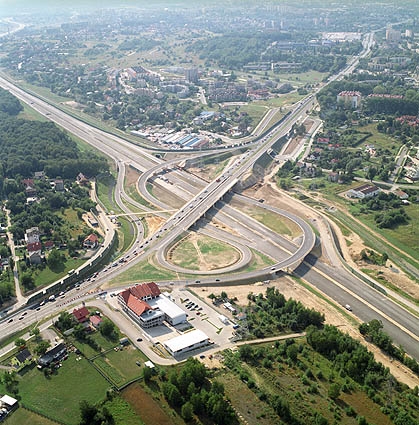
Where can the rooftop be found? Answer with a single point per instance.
(186, 340)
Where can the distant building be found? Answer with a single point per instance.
(393, 36)
(59, 185)
(192, 75)
(351, 99)
(364, 191)
(32, 235)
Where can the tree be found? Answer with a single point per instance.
(55, 259)
(147, 374)
(187, 411)
(334, 391)
(42, 347)
(20, 343)
(10, 382)
(108, 329)
(35, 332)
(27, 280)
(292, 352)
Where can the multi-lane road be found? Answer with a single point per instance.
(200, 199)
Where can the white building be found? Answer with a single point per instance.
(173, 314)
(186, 342)
(148, 307)
(350, 99)
(364, 191)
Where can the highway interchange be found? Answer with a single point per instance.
(205, 200)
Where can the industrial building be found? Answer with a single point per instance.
(186, 342)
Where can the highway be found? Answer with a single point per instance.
(400, 323)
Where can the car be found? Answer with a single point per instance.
(10, 321)
(138, 363)
(273, 268)
(217, 280)
(21, 317)
(139, 339)
(171, 283)
(348, 307)
(202, 356)
(197, 281)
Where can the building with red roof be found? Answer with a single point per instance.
(134, 303)
(91, 241)
(81, 314)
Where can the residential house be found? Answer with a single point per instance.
(21, 359)
(55, 354)
(38, 175)
(95, 321)
(34, 252)
(49, 245)
(91, 242)
(59, 185)
(82, 179)
(32, 235)
(364, 191)
(333, 177)
(81, 314)
(400, 194)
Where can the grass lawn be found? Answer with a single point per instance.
(144, 271)
(405, 236)
(380, 140)
(103, 342)
(105, 186)
(206, 251)
(73, 225)
(47, 276)
(59, 396)
(25, 417)
(126, 233)
(120, 365)
(255, 112)
(279, 224)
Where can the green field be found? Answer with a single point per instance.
(126, 234)
(105, 186)
(122, 412)
(205, 254)
(278, 223)
(142, 272)
(59, 396)
(23, 416)
(259, 261)
(120, 366)
(47, 276)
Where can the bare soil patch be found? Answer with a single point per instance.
(131, 176)
(291, 289)
(145, 406)
(154, 223)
